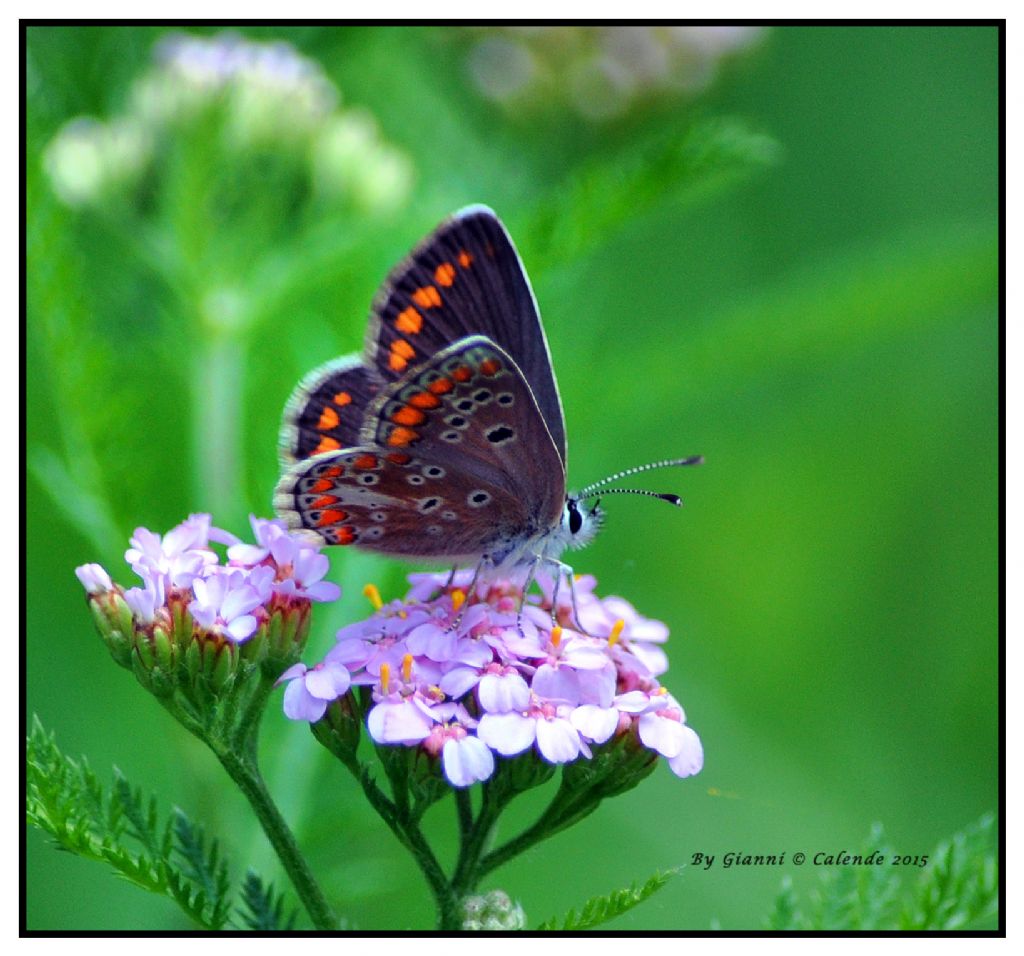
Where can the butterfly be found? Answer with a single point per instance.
(445, 441)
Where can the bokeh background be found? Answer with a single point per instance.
(777, 248)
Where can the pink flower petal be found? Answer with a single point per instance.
(595, 723)
(466, 761)
(397, 723)
(508, 734)
(690, 759)
(662, 734)
(300, 705)
(500, 693)
(557, 740)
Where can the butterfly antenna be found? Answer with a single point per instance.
(671, 499)
(666, 463)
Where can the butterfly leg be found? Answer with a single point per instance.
(470, 591)
(562, 568)
(531, 576)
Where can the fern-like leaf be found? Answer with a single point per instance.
(605, 194)
(122, 828)
(601, 909)
(263, 907)
(960, 885)
(957, 889)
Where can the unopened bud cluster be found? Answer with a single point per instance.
(493, 912)
(198, 624)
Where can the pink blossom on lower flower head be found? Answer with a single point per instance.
(265, 531)
(404, 711)
(305, 580)
(542, 722)
(465, 759)
(144, 602)
(178, 556)
(690, 759)
(223, 605)
(311, 689)
(300, 570)
(482, 654)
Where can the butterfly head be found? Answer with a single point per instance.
(580, 522)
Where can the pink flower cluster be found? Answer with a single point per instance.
(468, 677)
(228, 600)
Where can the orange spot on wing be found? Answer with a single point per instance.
(330, 516)
(490, 366)
(328, 419)
(401, 352)
(424, 400)
(327, 444)
(324, 501)
(365, 461)
(402, 436)
(342, 398)
(428, 297)
(444, 274)
(335, 471)
(399, 458)
(323, 484)
(345, 535)
(462, 374)
(409, 321)
(407, 415)
(441, 386)
(465, 259)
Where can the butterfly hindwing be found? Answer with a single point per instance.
(471, 403)
(325, 412)
(397, 503)
(465, 279)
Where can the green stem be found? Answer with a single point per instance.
(411, 837)
(560, 814)
(250, 782)
(464, 808)
(217, 429)
(474, 842)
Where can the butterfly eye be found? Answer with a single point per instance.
(575, 518)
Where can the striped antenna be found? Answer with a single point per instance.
(671, 499)
(666, 463)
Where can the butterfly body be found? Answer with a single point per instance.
(446, 441)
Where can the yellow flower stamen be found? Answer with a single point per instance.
(458, 599)
(616, 633)
(403, 614)
(373, 595)
(556, 635)
(406, 668)
(385, 677)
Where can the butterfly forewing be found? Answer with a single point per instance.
(465, 279)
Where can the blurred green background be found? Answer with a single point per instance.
(790, 266)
